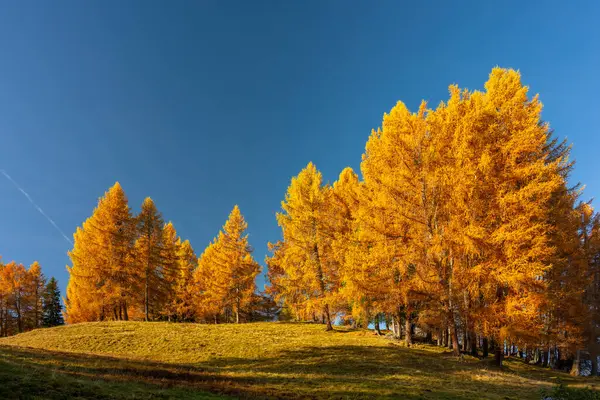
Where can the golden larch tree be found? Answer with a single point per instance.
(169, 271)
(309, 271)
(226, 274)
(102, 281)
(148, 254)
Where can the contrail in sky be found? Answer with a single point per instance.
(36, 206)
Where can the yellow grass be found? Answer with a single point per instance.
(261, 360)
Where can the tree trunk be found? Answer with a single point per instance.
(321, 279)
(19, 322)
(407, 329)
(429, 337)
(37, 302)
(455, 348)
(473, 345)
(327, 317)
(552, 358)
(544, 358)
(576, 364)
(377, 328)
(450, 309)
(146, 298)
(125, 310)
(485, 348)
(499, 356)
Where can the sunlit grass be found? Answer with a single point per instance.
(259, 360)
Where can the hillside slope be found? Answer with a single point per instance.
(259, 360)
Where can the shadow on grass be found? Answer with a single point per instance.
(35, 374)
(334, 372)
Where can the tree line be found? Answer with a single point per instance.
(136, 267)
(27, 299)
(462, 226)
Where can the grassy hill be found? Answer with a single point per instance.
(260, 360)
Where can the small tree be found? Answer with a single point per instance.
(52, 309)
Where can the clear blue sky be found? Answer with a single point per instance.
(205, 104)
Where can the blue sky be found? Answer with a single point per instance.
(206, 104)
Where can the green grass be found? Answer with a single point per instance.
(260, 360)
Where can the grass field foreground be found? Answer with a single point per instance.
(258, 360)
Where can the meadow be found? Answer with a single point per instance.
(125, 360)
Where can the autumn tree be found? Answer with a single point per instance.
(226, 272)
(183, 295)
(461, 198)
(22, 297)
(523, 182)
(15, 277)
(3, 301)
(36, 284)
(361, 304)
(170, 272)
(149, 253)
(401, 217)
(241, 267)
(102, 284)
(206, 292)
(309, 272)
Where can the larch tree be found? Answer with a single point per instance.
(169, 271)
(523, 181)
(102, 283)
(15, 277)
(4, 306)
(589, 237)
(226, 273)
(149, 254)
(361, 304)
(309, 272)
(241, 267)
(402, 215)
(36, 284)
(206, 290)
(456, 210)
(22, 298)
(183, 298)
